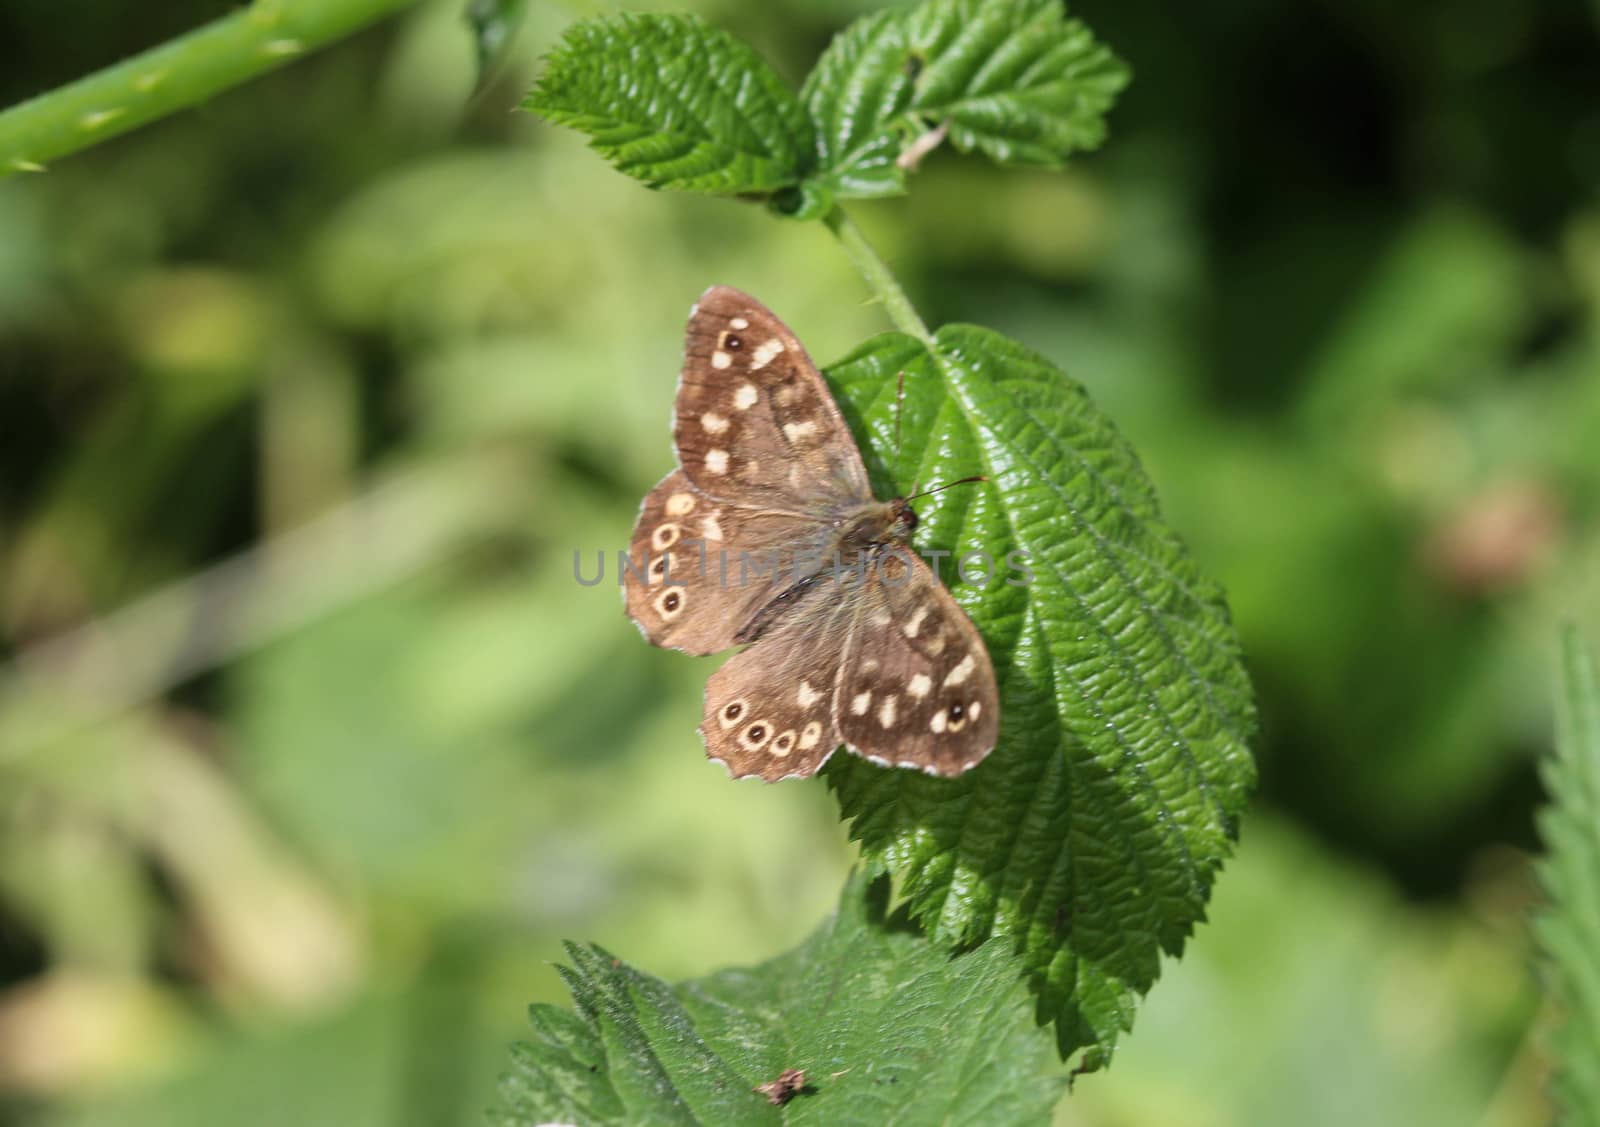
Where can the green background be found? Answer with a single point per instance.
(311, 748)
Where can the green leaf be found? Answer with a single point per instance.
(1570, 928)
(886, 1027)
(1089, 838)
(677, 103)
(1014, 79)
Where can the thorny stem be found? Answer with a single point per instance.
(177, 74)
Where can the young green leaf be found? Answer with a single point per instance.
(1570, 928)
(677, 103)
(1014, 79)
(1089, 838)
(885, 1027)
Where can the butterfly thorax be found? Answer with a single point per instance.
(877, 524)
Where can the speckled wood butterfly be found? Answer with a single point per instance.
(769, 534)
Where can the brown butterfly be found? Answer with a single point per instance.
(769, 534)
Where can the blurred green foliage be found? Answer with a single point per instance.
(295, 838)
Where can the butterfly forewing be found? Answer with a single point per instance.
(916, 687)
(755, 423)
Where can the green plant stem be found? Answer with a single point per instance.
(877, 273)
(187, 70)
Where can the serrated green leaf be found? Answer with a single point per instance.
(886, 1027)
(1089, 839)
(1014, 79)
(1569, 929)
(677, 103)
(858, 95)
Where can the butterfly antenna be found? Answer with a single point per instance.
(948, 485)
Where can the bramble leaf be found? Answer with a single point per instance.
(1014, 79)
(1569, 929)
(885, 1026)
(675, 102)
(1089, 838)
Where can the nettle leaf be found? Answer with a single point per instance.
(886, 1027)
(1569, 929)
(677, 103)
(1014, 79)
(1089, 838)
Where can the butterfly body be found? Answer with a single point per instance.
(879, 523)
(769, 534)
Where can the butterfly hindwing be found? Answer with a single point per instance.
(755, 423)
(769, 711)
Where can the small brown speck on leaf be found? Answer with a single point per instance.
(789, 1084)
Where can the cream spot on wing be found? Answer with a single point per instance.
(720, 360)
(739, 323)
(886, 711)
(975, 709)
(784, 744)
(713, 422)
(880, 617)
(745, 398)
(871, 665)
(710, 528)
(860, 703)
(763, 354)
(811, 736)
(798, 431)
(665, 536)
(938, 722)
(934, 644)
(670, 603)
(717, 461)
(795, 473)
(807, 695)
(731, 713)
(788, 393)
(961, 672)
(919, 686)
(914, 623)
(751, 469)
(680, 504)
